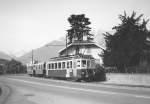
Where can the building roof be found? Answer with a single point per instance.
(81, 43)
(71, 56)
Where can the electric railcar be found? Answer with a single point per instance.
(36, 69)
(79, 67)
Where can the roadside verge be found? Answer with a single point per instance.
(125, 84)
(5, 91)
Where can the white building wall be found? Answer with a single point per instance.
(88, 51)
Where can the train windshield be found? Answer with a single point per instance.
(83, 63)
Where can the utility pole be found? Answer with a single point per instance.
(32, 57)
(66, 46)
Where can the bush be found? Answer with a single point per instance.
(100, 74)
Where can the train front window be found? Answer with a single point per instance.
(88, 63)
(78, 63)
(83, 63)
(93, 63)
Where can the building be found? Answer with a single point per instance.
(84, 47)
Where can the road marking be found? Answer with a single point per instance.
(85, 90)
(94, 84)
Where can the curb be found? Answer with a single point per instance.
(127, 85)
(5, 93)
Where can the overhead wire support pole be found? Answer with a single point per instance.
(32, 56)
(66, 46)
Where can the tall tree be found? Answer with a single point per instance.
(124, 48)
(79, 28)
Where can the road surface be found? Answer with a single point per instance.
(31, 90)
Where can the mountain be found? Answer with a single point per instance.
(45, 52)
(51, 49)
(99, 39)
(4, 56)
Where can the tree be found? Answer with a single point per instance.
(14, 67)
(125, 47)
(79, 28)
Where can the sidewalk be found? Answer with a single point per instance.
(126, 84)
(128, 79)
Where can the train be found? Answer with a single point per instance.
(73, 67)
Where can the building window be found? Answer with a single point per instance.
(55, 65)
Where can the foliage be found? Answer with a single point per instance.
(3, 66)
(79, 28)
(12, 67)
(125, 47)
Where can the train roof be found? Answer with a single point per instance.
(71, 57)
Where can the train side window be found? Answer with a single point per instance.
(83, 63)
(59, 65)
(67, 64)
(78, 63)
(49, 66)
(55, 65)
(63, 64)
(52, 65)
(70, 64)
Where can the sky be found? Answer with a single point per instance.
(30, 24)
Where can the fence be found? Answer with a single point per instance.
(140, 79)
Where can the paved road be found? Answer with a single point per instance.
(32, 90)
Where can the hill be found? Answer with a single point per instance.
(4, 56)
(43, 53)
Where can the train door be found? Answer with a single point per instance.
(78, 67)
(44, 69)
(69, 72)
(71, 68)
